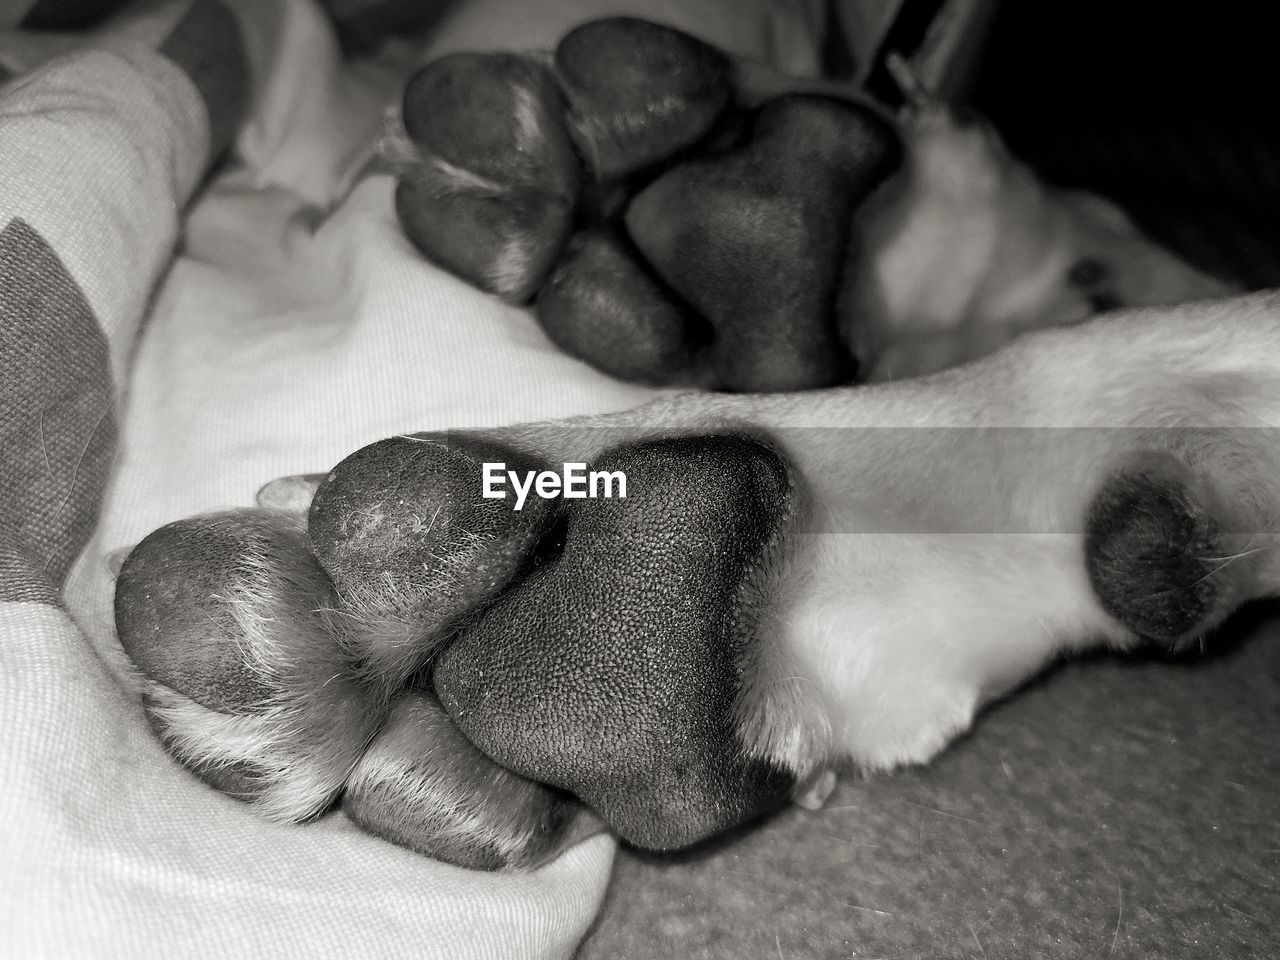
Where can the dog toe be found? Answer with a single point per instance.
(600, 304)
(712, 239)
(493, 192)
(412, 546)
(639, 92)
(422, 785)
(234, 626)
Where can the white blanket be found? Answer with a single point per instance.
(143, 385)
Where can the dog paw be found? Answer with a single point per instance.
(468, 672)
(256, 670)
(664, 230)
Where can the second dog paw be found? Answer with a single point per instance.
(710, 238)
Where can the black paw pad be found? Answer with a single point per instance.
(600, 304)
(1153, 552)
(613, 670)
(494, 195)
(248, 683)
(422, 785)
(412, 546)
(639, 92)
(757, 239)
(724, 269)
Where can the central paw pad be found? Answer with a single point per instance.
(664, 231)
(614, 670)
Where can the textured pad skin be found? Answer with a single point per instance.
(638, 91)
(412, 546)
(667, 232)
(599, 303)
(494, 195)
(757, 239)
(613, 670)
(250, 681)
(171, 613)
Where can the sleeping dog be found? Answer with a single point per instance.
(485, 650)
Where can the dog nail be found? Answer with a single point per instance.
(115, 560)
(1155, 552)
(639, 91)
(612, 670)
(232, 622)
(812, 792)
(494, 195)
(422, 785)
(599, 305)
(412, 545)
(723, 231)
(290, 494)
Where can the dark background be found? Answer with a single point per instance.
(1170, 108)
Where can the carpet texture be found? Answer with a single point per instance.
(1117, 808)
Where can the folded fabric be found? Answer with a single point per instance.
(139, 385)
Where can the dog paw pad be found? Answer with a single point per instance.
(494, 193)
(600, 304)
(639, 92)
(699, 221)
(247, 676)
(723, 231)
(1154, 551)
(412, 546)
(613, 670)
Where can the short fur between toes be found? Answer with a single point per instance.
(614, 669)
(247, 672)
(413, 547)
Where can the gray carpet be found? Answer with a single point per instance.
(1117, 808)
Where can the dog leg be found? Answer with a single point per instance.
(969, 528)
(934, 544)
